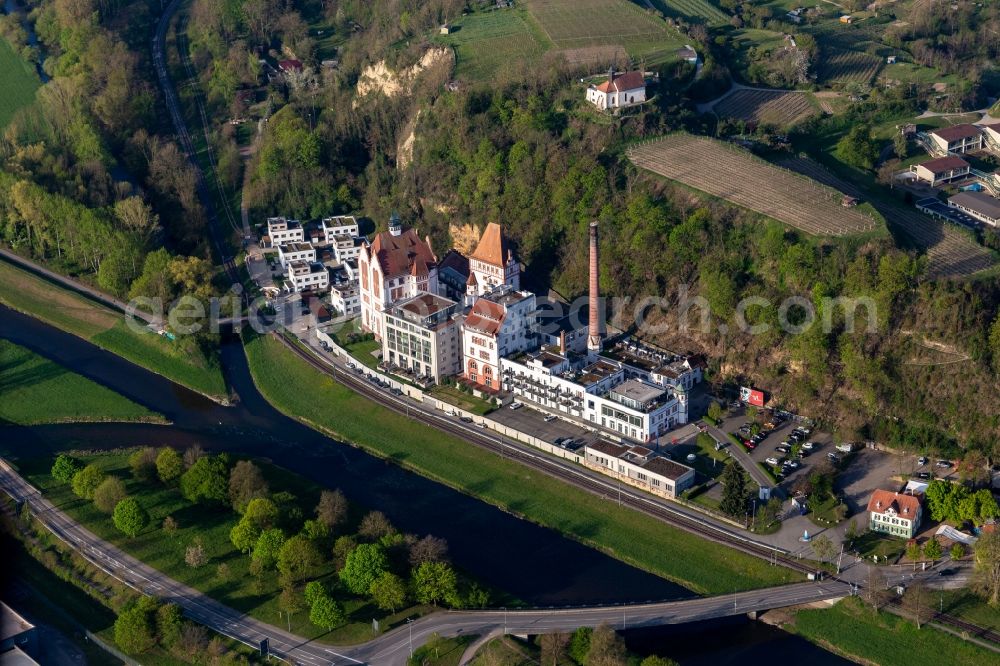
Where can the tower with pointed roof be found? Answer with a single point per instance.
(492, 264)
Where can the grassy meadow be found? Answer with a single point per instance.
(18, 80)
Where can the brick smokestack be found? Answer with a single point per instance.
(595, 339)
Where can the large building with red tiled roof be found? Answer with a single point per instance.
(618, 90)
(501, 323)
(492, 264)
(894, 513)
(398, 264)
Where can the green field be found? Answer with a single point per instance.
(106, 328)
(211, 524)
(487, 42)
(624, 533)
(466, 401)
(18, 80)
(576, 24)
(693, 9)
(37, 390)
(851, 629)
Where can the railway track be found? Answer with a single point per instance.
(546, 465)
(973, 630)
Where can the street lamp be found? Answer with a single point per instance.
(409, 624)
(504, 620)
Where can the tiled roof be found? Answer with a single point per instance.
(485, 317)
(905, 506)
(623, 82)
(944, 164)
(403, 254)
(493, 247)
(956, 132)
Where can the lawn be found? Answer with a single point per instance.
(624, 533)
(211, 525)
(969, 607)
(37, 390)
(486, 42)
(831, 511)
(853, 630)
(876, 543)
(466, 401)
(439, 651)
(102, 326)
(18, 80)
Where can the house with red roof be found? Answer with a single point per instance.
(895, 513)
(396, 265)
(501, 323)
(492, 264)
(941, 170)
(957, 138)
(619, 90)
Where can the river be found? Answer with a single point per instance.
(530, 562)
(12, 7)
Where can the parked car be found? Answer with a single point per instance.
(481, 424)
(833, 457)
(772, 461)
(922, 460)
(550, 418)
(516, 405)
(846, 447)
(758, 438)
(782, 449)
(923, 475)
(466, 419)
(943, 464)
(559, 440)
(808, 446)
(793, 464)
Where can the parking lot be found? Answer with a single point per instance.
(533, 421)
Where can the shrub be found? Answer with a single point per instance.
(109, 493)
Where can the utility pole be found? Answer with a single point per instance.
(409, 624)
(841, 557)
(734, 599)
(619, 491)
(504, 620)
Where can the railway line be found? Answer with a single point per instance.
(554, 468)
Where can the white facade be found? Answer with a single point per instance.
(640, 467)
(344, 299)
(282, 231)
(618, 91)
(341, 225)
(492, 265)
(959, 139)
(500, 324)
(346, 248)
(304, 275)
(295, 252)
(423, 336)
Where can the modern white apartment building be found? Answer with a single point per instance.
(423, 336)
(293, 252)
(304, 275)
(341, 225)
(281, 230)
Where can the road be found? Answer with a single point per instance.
(743, 458)
(394, 646)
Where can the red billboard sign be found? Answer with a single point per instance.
(752, 396)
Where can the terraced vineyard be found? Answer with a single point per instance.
(774, 107)
(573, 24)
(699, 9)
(949, 252)
(841, 67)
(726, 171)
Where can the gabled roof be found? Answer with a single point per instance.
(493, 247)
(623, 82)
(944, 164)
(905, 506)
(456, 261)
(956, 132)
(485, 317)
(405, 254)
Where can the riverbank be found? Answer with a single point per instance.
(67, 310)
(853, 630)
(299, 390)
(36, 390)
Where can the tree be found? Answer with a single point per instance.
(428, 549)
(579, 644)
(109, 493)
(434, 582)
(913, 551)
(261, 512)
(653, 660)
(342, 547)
(169, 465)
(297, 558)
(715, 411)
(917, 602)
(327, 613)
(388, 591)
(135, 631)
(85, 481)
(858, 147)
(363, 566)
(244, 535)
(374, 526)
(974, 469)
(194, 554)
(332, 508)
(143, 464)
(606, 648)
(169, 621)
(207, 480)
(553, 648)
(315, 531)
(734, 490)
(823, 547)
(957, 551)
(314, 590)
(932, 549)
(268, 547)
(899, 145)
(986, 574)
(169, 525)
(65, 467)
(245, 483)
(193, 454)
(875, 588)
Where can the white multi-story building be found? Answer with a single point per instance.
(597, 390)
(304, 275)
(492, 264)
(396, 266)
(294, 252)
(500, 324)
(898, 514)
(281, 230)
(341, 225)
(423, 337)
(640, 467)
(344, 299)
(346, 248)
